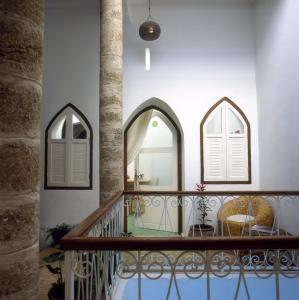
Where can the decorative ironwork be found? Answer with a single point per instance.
(96, 274)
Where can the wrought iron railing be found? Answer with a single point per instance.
(100, 257)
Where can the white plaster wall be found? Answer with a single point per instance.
(205, 52)
(277, 72)
(287, 209)
(71, 74)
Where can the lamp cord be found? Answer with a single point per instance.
(149, 10)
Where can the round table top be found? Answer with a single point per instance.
(240, 218)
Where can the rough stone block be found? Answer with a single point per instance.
(111, 184)
(19, 108)
(20, 49)
(110, 117)
(31, 10)
(19, 274)
(111, 154)
(19, 165)
(19, 221)
(112, 137)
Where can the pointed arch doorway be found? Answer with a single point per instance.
(153, 162)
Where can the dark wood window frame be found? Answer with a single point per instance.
(179, 156)
(235, 106)
(46, 186)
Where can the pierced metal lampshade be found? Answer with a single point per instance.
(149, 30)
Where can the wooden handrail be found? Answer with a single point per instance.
(77, 238)
(180, 243)
(213, 193)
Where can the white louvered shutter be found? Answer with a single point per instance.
(57, 163)
(225, 149)
(69, 151)
(80, 163)
(215, 157)
(215, 147)
(237, 158)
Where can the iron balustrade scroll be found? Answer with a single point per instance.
(100, 256)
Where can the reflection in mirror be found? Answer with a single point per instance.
(234, 123)
(215, 124)
(79, 131)
(152, 152)
(158, 134)
(152, 165)
(58, 132)
(158, 168)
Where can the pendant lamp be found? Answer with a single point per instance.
(149, 30)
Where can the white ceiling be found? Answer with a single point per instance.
(130, 13)
(136, 10)
(186, 2)
(94, 3)
(71, 3)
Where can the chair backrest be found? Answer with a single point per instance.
(256, 206)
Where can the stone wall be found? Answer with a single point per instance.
(21, 38)
(111, 127)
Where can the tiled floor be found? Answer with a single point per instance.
(139, 231)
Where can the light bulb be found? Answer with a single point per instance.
(147, 59)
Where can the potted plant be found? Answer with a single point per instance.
(202, 228)
(57, 233)
(56, 291)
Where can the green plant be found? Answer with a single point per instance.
(52, 258)
(57, 233)
(57, 289)
(203, 205)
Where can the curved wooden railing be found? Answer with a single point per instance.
(78, 238)
(180, 243)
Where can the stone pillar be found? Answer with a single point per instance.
(111, 127)
(21, 37)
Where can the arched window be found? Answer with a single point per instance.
(225, 145)
(68, 159)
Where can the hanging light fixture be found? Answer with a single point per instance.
(149, 30)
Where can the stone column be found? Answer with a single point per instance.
(21, 36)
(111, 131)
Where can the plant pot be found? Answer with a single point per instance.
(58, 235)
(56, 292)
(200, 230)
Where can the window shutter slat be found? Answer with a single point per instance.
(215, 159)
(57, 163)
(237, 157)
(80, 164)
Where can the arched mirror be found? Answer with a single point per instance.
(68, 150)
(153, 163)
(225, 144)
